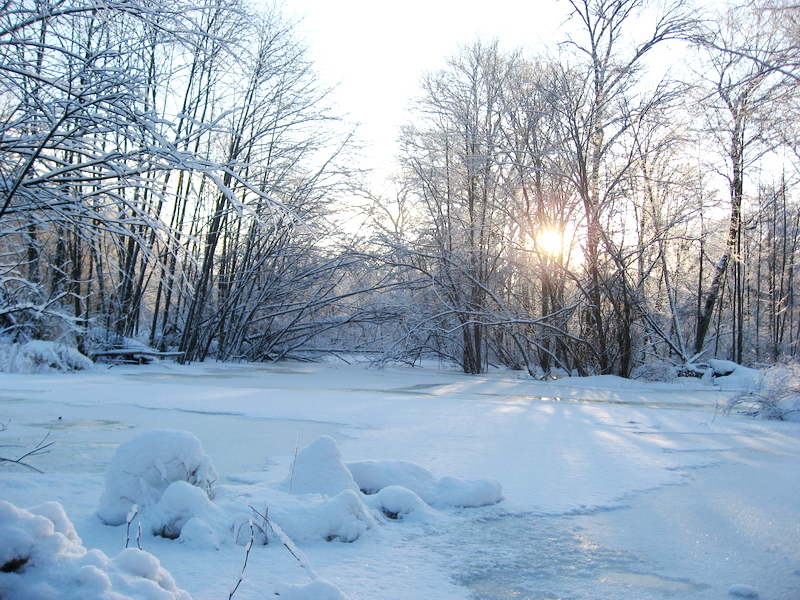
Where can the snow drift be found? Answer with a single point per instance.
(372, 476)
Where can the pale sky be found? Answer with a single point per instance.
(376, 51)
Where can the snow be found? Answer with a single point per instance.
(144, 467)
(42, 558)
(428, 484)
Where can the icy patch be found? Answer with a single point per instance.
(41, 556)
(524, 556)
(145, 466)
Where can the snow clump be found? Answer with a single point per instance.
(180, 505)
(319, 470)
(313, 518)
(41, 556)
(372, 476)
(398, 503)
(144, 467)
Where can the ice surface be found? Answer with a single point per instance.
(621, 490)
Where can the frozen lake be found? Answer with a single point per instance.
(613, 489)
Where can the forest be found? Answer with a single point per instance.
(174, 174)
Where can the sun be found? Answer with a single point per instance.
(549, 241)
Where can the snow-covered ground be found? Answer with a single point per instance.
(611, 488)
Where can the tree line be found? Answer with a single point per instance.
(175, 173)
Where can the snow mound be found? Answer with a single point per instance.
(181, 504)
(398, 503)
(41, 556)
(318, 589)
(319, 470)
(372, 476)
(732, 376)
(144, 467)
(38, 356)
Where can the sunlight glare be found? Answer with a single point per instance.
(550, 242)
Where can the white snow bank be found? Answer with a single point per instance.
(372, 476)
(42, 558)
(145, 466)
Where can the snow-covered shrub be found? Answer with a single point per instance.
(41, 357)
(319, 470)
(659, 370)
(144, 467)
(777, 395)
(374, 475)
(41, 557)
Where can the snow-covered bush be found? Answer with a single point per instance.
(144, 467)
(660, 371)
(41, 357)
(776, 396)
(41, 556)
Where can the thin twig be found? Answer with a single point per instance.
(41, 448)
(246, 556)
(294, 462)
